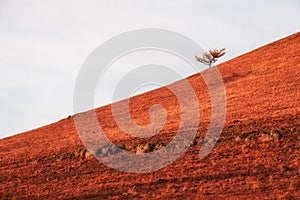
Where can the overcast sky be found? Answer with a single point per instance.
(44, 43)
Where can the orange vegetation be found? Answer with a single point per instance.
(256, 156)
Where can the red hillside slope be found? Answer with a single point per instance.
(256, 156)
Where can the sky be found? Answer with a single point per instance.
(43, 44)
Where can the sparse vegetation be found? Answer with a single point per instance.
(210, 57)
(256, 156)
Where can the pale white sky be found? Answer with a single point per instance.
(44, 43)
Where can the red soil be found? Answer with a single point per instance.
(256, 156)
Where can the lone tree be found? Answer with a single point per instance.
(211, 56)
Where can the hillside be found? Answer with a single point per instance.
(257, 154)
